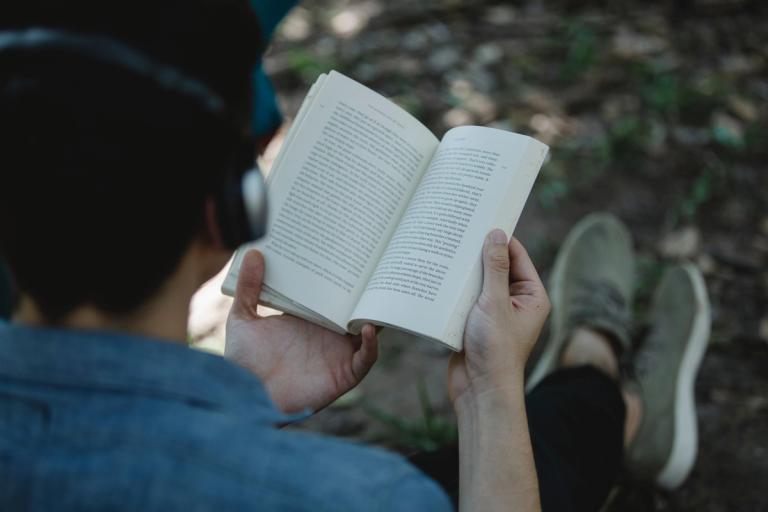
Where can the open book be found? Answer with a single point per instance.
(375, 220)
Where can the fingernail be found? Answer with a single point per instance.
(498, 237)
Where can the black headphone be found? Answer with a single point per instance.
(241, 205)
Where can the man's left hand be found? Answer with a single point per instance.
(301, 364)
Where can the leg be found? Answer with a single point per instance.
(578, 419)
(442, 466)
(577, 411)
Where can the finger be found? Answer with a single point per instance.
(366, 355)
(521, 268)
(249, 284)
(496, 265)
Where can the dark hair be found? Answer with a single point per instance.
(102, 180)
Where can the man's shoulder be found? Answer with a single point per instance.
(95, 422)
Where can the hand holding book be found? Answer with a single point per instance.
(302, 365)
(503, 325)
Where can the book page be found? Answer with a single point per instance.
(337, 195)
(229, 285)
(429, 276)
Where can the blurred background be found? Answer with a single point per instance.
(655, 111)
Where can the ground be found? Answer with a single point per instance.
(655, 111)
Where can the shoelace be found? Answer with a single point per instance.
(599, 303)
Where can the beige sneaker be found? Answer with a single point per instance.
(664, 449)
(591, 286)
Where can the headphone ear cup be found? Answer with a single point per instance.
(254, 194)
(241, 208)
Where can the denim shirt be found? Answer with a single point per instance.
(104, 421)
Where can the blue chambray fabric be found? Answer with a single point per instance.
(105, 421)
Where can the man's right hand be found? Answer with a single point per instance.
(497, 470)
(504, 324)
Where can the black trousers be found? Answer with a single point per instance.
(576, 421)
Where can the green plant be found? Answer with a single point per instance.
(701, 190)
(624, 137)
(699, 193)
(582, 45)
(550, 191)
(308, 65)
(648, 271)
(756, 138)
(427, 433)
(662, 93)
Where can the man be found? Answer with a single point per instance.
(111, 218)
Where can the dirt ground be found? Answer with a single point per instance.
(655, 111)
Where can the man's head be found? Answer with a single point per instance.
(108, 181)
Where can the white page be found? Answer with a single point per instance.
(338, 193)
(229, 285)
(427, 278)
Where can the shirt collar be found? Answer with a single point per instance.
(120, 362)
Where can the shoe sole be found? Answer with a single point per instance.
(685, 440)
(554, 345)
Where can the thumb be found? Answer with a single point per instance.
(496, 265)
(249, 282)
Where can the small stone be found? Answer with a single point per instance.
(683, 243)
(764, 329)
(738, 64)
(720, 396)
(706, 264)
(488, 54)
(438, 33)
(415, 40)
(629, 44)
(348, 22)
(482, 79)
(540, 101)
(444, 58)
(616, 106)
(756, 403)
(727, 130)
(547, 126)
(743, 108)
(764, 225)
(691, 136)
(297, 26)
(656, 143)
(482, 106)
(500, 15)
(457, 117)
(461, 88)
(366, 71)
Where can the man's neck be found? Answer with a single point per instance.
(163, 323)
(163, 316)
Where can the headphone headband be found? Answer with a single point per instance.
(107, 50)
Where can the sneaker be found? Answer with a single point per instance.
(664, 449)
(591, 286)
